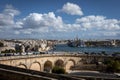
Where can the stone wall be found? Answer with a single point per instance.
(15, 73)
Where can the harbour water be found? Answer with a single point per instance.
(65, 48)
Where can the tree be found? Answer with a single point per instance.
(8, 51)
(1, 44)
(113, 66)
(116, 54)
(58, 70)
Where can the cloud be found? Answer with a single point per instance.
(110, 33)
(42, 22)
(7, 16)
(48, 25)
(36, 20)
(10, 10)
(7, 22)
(72, 9)
(98, 23)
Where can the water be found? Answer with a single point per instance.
(65, 48)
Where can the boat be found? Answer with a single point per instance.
(76, 43)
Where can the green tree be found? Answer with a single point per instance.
(58, 70)
(113, 66)
(116, 53)
(1, 44)
(8, 51)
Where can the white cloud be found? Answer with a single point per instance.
(16, 32)
(40, 21)
(6, 20)
(72, 9)
(50, 25)
(110, 33)
(98, 23)
(10, 10)
(7, 16)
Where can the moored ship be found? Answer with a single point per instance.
(76, 43)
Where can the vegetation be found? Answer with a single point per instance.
(18, 51)
(58, 70)
(116, 53)
(1, 44)
(11, 51)
(112, 66)
(8, 51)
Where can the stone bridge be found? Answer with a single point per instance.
(45, 62)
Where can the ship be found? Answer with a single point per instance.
(76, 43)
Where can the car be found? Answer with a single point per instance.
(8, 54)
(117, 74)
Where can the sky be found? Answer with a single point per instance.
(59, 19)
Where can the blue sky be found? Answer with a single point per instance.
(60, 19)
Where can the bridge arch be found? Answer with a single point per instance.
(48, 66)
(21, 65)
(69, 64)
(35, 66)
(59, 63)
